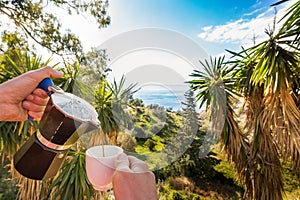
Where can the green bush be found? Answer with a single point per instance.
(168, 193)
(126, 142)
(150, 144)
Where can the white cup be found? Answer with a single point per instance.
(99, 168)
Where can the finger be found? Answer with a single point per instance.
(40, 93)
(122, 163)
(30, 106)
(35, 99)
(35, 115)
(137, 165)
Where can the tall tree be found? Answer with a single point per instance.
(36, 22)
(266, 76)
(184, 145)
(215, 88)
(272, 113)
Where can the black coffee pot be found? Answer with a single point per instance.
(65, 119)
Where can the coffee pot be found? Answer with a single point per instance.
(65, 119)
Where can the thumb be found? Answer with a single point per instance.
(45, 72)
(122, 163)
(50, 72)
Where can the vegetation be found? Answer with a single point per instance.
(261, 145)
(266, 78)
(33, 20)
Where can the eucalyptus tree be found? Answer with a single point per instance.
(35, 21)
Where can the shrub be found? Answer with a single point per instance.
(126, 142)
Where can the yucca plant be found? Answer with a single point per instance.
(275, 120)
(289, 34)
(103, 105)
(268, 77)
(215, 87)
(110, 102)
(120, 98)
(72, 182)
(13, 134)
(290, 30)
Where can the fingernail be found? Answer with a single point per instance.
(26, 104)
(30, 97)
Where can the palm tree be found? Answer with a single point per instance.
(273, 116)
(111, 102)
(121, 95)
(291, 27)
(215, 87)
(267, 78)
(290, 33)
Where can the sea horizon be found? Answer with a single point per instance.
(165, 98)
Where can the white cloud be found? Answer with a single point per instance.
(207, 28)
(253, 12)
(242, 31)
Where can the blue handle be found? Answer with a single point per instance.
(44, 85)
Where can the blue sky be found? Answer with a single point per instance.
(215, 24)
(185, 13)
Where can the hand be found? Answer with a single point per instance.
(133, 180)
(20, 97)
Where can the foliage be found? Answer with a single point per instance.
(8, 189)
(126, 142)
(166, 193)
(94, 66)
(291, 25)
(36, 22)
(72, 181)
(214, 186)
(187, 141)
(267, 77)
(13, 134)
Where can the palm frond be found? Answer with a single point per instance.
(291, 25)
(216, 87)
(72, 182)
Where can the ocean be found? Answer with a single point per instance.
(170, 99)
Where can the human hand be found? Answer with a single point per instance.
(133, 180)
(20, 97)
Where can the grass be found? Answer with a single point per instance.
(8, 189)
(291, 182)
